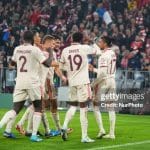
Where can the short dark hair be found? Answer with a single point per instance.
(28, 36)
(107, 40)
(56, 37)
(77, 37)
(47, 37)
(34, 32)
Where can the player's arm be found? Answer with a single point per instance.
(49, 62)
(91, 68)
(101, 72)
(12, 63)
(105, 65)
(46, 61)
(13, 59)
(62, 62)
(93, 49)
(60, 74)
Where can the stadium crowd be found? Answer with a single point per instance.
(128, 25)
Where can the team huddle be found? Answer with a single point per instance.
(36, 64)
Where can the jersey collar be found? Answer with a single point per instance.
(107, 49)
(26, 44)
(75, 43)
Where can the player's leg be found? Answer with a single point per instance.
(35, 96)
(7, 133)
(111, 109)
(24, 117)
(112, 121)
(44, 116)
(97, 113)
(84, 94)
(53, 108)
(71, 111)
(46, 124)
(19, 126)
(18, 103)
(55, 115)
(36, 120)
(9, 119)
(30, 121)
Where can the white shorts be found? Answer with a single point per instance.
(104, 91)
(80, 93)
(21, 94)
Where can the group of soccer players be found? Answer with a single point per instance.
(36, 64)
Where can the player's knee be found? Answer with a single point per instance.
(37, 105)
(73, 103)
(53, 106)
(95, 103)
(53, 110)
(84, 104)
(18, 106)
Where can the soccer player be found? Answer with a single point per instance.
(51, 88)
(47, 43)
(74, 59)
(28, 59)
(28, 115)
(105, 85)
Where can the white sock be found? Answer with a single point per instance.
(56, 120)
(112, 120)
(98, 118)
(84, 121)
(45, 122)
(30, 119)
(8, 116)
(24, 117)
(69, 115)
(10, 125)
(36, 122)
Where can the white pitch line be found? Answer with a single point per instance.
(120, 145)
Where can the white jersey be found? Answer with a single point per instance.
(106, 65)
(43, 71)
(28, 59)
(75, 60)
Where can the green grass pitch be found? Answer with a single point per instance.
(132, 133)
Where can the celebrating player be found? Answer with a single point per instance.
(74, 58)
(47, 44)
(105, 84)
(51, 88)
(28, 59)
(28, 115)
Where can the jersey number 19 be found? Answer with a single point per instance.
(77, 60)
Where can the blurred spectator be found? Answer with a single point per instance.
(125, 59)
(126, 21)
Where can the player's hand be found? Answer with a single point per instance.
(64, 79)
(55, 64)
(91, 67)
